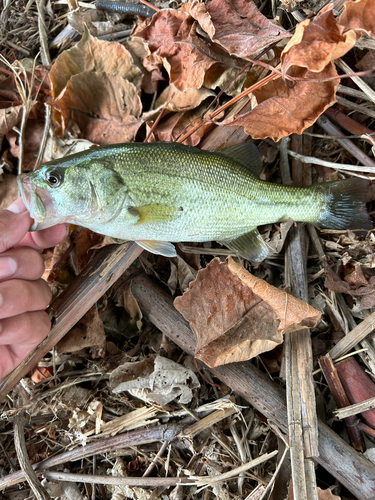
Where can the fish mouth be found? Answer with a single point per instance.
(35, 201)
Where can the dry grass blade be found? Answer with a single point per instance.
(25, 87)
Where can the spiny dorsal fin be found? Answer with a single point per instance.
(247, 155)
(158, 247)
(155, 212)
(250, 246)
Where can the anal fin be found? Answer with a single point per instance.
(158, 247)
(250, 246)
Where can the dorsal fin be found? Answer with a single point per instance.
(247, 155)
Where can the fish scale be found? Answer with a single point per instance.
(158, 193)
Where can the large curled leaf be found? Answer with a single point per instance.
(189, 60)
(237, 25)
(105, 107)
(316, 43)
(282, 111)
(359, 15)
(236, 316)
(96, 85)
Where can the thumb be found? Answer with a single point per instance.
(15, 222)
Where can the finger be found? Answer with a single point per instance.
(23, 263)
(29, 329)
(14, 224)
(18, 296)
(46, 238)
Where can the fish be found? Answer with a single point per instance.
(161, 193)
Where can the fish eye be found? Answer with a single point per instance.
(53, 177)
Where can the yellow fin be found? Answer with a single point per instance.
(155, 212)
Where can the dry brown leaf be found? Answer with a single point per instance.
(171, 127)
(40, 374)
(355, 284)
(190, 62)
(124, 298)
(237, 25)
(359, 16)
(317, 42)
(236, 316)
(96, 84)
(83, 249)
(177, 100)
(322, 494)
(9, 117)
(95, 56)
(31, 142)
(8, 190)
(282, 111)
(105, 107)
(88, 333)
(326, 495)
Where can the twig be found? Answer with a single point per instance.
(330, 164)
(155, 459)
(347, 411)
(356, 79)
(356, 107)
(75, 301)
(230, 103)
(142, 482)
(328, 126)
(358, 94)
(354, 337)
(128, 439)
(47, 124)
(350, 125)
(303, 425)
(208, 481)
(23, 459)
(46, 58)
(158, 118)
(284, 162)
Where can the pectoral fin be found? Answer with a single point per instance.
(158, 247)
(155, 212)
(250, 246)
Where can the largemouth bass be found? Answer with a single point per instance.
(158, 193)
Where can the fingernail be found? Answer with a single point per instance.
(17, 207)
(8, 266)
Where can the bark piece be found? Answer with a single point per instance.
(337, 390)
(358, 386)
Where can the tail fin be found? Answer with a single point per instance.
(346, 205)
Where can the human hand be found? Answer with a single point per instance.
(23, 295)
